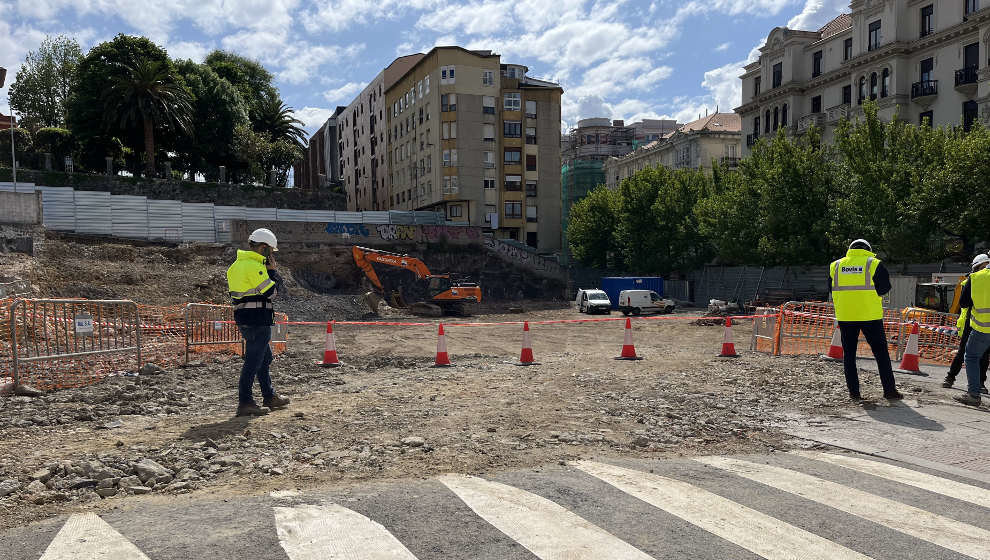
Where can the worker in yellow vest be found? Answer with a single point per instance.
(252, 281)
(858, 283)
(976, 297)
(965, 328)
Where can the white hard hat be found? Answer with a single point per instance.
(264, 235)
(982, 258)
(863, 242)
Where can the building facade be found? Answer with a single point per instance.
(320, 166)
(479, 141)
(923, 60)
(698, 145)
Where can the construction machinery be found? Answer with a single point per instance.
(401, 278)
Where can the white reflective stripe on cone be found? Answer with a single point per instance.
(318, 532)
(745, 527)
(942, 531)
(87, 537)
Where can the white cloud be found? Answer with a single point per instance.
(313, 117)
(817, 13)
(343, 94)
(723, 47)
(338, 15)
(188, 50)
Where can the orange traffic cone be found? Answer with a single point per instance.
(329, 349)
(728, 347)
(443, 360)
(628, 350)
(909, 363)
(834, 353)
(526, 357)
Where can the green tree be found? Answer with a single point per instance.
(726, 218)
(254, 150)
(277, 120)
(218, 109)
(56, 141)
(282, 155)
(591, 227)
(252, 81)
(148, 94)
(23, 144)
(41, 89)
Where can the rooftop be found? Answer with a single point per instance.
(836, 26)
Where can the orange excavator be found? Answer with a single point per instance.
(444, 291)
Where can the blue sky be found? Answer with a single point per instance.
(627, 59)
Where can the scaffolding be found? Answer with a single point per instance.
(577, 179)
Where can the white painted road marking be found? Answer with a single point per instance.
(332, 532)
(938, 485)
(545, 528)
(745, 527)
(948, 533)
(87, 537)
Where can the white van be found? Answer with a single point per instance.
(593, 301)
(639, 301)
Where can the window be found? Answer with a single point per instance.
(448, 102)
(816, 64)
(488, 105)
(531, 213)
(925, 118)
(862, 90)
(531, 109)
(756, 126)
(488, 160)
(446, 74)
(783, 115)
(489, 182)
(429, 163)
(513, 156)
(530, 162)
(513, 182)
(512, 129)
(927, 67)
(419, 88)
(456, 210)
(778, 74)
(847, 94)
(449, 130)
(927, 20)
(511, 102)
(531, 189)
(776, 118)
(489, 210)
(885, 83)
(530, 135)
(513, 210)
(816, 104)
(756, 86)
(766, 122)
(488, 132)
(875, 38)
(426, 84)
(873, 86)
(969, 114)
(970, 6)
(446, 158)
(487, 78)
(412, 95)
(847, 49)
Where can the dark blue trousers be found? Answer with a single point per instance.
(257, 358)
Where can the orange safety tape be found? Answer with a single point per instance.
(551, 322)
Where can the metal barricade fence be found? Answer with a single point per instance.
(806, 328)
(938, 337)
(764, 330)
(212, 326)
(59, 343)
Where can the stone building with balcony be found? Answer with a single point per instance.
(923, 60)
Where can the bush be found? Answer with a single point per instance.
(22, 145)
(56, 141)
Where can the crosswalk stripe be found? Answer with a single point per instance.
(948, 533)
(87, 537)
(936, 484)
(543, 527)
(324, 532)
(750, 529)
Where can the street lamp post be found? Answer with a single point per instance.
(13, 158)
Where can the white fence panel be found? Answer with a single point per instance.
(130, 216)
(93, 213)
(347, 217)
(197, 222)
(319, 216)
(59, 208)
(259, 214)
(375, 217)
(165, 220)
(282, 215)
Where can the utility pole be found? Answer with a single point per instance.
(13, 159)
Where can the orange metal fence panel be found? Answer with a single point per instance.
(938, 337)
(211, 328)
(764, 330)
(806, 328)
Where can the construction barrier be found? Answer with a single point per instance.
(938, 337)
(764, 330)
(69, 343)
(211, 328)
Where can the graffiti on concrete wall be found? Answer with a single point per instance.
(350, 229)
(393, 232)
(453, 233)
(525, 258)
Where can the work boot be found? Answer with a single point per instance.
(276, 401)
(855, 396)
(968, 398)
(250, 409)
(949, 381)
(894, 395)
(983, 390)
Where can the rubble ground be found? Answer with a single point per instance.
(387, 414)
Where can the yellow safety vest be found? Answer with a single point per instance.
(853, 293)
(248, 277)
(980, 289)
(963, 313)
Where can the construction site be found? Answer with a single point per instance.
(119, 363)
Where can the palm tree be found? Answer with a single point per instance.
(145, 94)
(277, 119)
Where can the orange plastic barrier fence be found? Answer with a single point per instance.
(938, 337)
(211, 329)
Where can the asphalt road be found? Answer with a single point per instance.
(785, 505)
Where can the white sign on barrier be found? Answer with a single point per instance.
(84, 324)
(218, 325)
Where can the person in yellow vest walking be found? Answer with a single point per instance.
(858, 283)
(252, 281)
(976, 297)
(965, 328)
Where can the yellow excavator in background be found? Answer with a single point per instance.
(443, 292)
(937, 296)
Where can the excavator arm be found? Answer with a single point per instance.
(364, 257)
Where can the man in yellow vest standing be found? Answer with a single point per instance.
(976, 297)
(965, 328)
(252, 281)
(858, 282)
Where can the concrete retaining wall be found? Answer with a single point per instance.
(20, 208)
(297, 235)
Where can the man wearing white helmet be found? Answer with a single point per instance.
(976, 298)
(252, 281)
(965, 328)
(858, 283)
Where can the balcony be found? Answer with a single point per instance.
(809, 120)
(751, 140)
(729, 161)
(837, 113)
(924, 92)
(966, 79)
(488, 164)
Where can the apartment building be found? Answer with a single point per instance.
(479, 141)
(697, 144)
(320, 166)
(924, 60)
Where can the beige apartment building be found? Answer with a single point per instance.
(479, 141)
(697, 144)
(924, 60)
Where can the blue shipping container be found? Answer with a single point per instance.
(613, 285)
